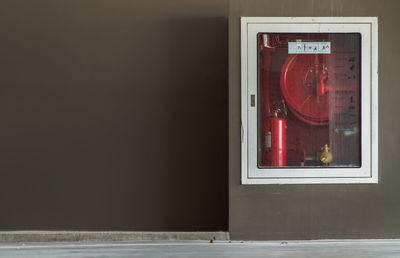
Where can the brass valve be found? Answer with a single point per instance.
(326, 156)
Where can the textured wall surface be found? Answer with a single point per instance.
(114, 115)
(320, 211)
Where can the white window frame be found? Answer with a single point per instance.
(368, 28)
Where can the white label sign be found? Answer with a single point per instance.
(309, 47)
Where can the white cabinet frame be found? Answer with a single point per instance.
(368, 28)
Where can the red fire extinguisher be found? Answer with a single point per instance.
(275, 141)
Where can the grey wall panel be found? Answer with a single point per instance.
(113, 115)
(320, 211)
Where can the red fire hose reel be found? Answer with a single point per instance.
(303, 86)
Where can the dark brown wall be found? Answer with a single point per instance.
(113, 115)
(320, 211)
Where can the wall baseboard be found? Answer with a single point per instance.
(106, 236)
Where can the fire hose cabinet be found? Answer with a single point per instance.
(309, 100)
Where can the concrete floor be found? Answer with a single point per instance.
(298, 249)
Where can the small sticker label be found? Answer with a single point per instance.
(309, 47)
(268, 139)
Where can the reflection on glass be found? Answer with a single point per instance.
(309, 100)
